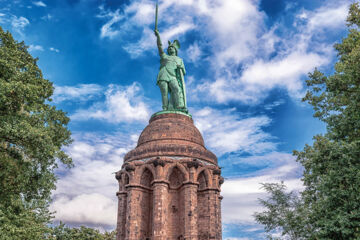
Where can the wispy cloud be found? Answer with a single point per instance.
(19, 23)
(39, 4)
(194, 53)
(33, 48)
(47, 17)
(225, 131)
(2, 15)
(331, 15)
(108, 30)
(274, 104)
(81, 92)
(54, 49)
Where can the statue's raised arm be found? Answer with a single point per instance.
(158, 42)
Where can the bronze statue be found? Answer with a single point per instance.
(171, 75)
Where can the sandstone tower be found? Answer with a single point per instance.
(169, 185)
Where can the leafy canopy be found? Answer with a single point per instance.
(32, 133)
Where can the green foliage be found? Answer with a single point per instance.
(32, 133)
(329, 207)
(61, 232)
(284, 212)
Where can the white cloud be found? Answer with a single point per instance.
(54, 49)
(141, 12)
(19, 23)
(85, 194)
(236, 27)
(39, 4)
(81, 92)
(107, 30)
(176, 30)
(122, 104)
(138, 48)
(328, 16)
(274, 104)
(47, 17)
(284, 72)
(225, 132)
(194, 53)
(241, 194)
(270, 159)
(86, 208)
(35, 48)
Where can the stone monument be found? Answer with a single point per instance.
(169, 185)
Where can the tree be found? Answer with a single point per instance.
(32, 133)
(329, 206)
(62, 232)
(284, 213)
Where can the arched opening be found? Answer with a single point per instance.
(176, 217)
(176, 178)
(202, 181)
(146, 178)
(146, 204)
(126, 179)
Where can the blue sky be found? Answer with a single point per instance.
(246, 63)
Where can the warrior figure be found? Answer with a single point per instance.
(171, 76)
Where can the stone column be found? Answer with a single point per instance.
(213, 213)
(219, 228)
(133, 214)
(160, 194)
(191, 231)
(121, 218)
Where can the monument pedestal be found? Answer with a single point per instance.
(169, 185)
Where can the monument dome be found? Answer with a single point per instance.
(171, 134)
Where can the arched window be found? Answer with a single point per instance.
(146, 178)
(145, 200)
(176, 178)
(202, 181)
(126, 179)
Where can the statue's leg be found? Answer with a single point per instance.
(174, 86)
(164, 94)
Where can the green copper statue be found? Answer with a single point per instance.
(171, 75)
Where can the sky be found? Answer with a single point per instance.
(246, 63)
